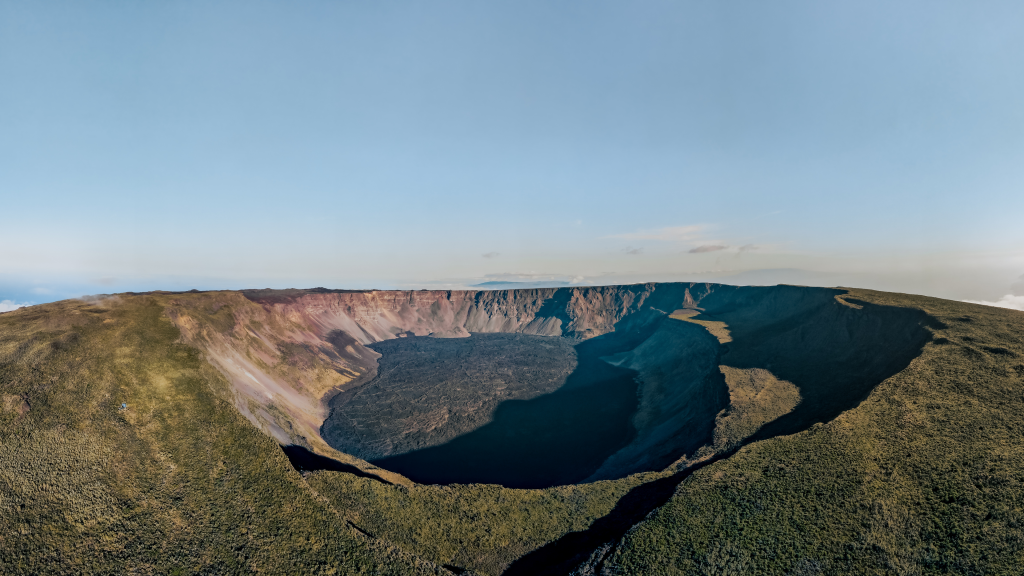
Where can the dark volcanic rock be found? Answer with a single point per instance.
(429, 391)
(551, 440)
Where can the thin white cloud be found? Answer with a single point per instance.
(1009, 301)
(707, 248)
(9, 305)
(491, 255)
(719, 246)
(527, 278)
(669, 234)
(522, 276)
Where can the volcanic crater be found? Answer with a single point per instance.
(583, 430)
(546, 387)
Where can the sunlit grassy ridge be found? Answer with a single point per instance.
(179, 482)
(482, 526)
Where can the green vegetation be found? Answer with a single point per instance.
(924, 477)
(179, 483)
(482, 527)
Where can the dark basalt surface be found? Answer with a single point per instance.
(511, 409)
(557, 439)
(428, 391)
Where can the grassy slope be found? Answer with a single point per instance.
(478, 526)
(925, 477)
(179, 483)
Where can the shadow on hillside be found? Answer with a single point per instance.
(835, 354)
(569, 551)
(305, 461)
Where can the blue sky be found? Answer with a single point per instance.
(174, 145)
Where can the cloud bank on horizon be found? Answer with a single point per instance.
(1007, 301)
(10, 305)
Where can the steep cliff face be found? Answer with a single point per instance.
(681, 391)
(280, 370)
(287, 352)
(373, 316)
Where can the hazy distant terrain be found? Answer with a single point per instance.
(769, 430)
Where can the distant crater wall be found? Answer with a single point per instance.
(374, 316)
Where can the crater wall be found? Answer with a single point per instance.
(288, 353)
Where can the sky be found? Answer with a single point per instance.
(406, 144)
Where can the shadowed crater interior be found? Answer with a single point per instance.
(667, 385)
(511, 409)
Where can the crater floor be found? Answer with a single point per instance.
(510, 409)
